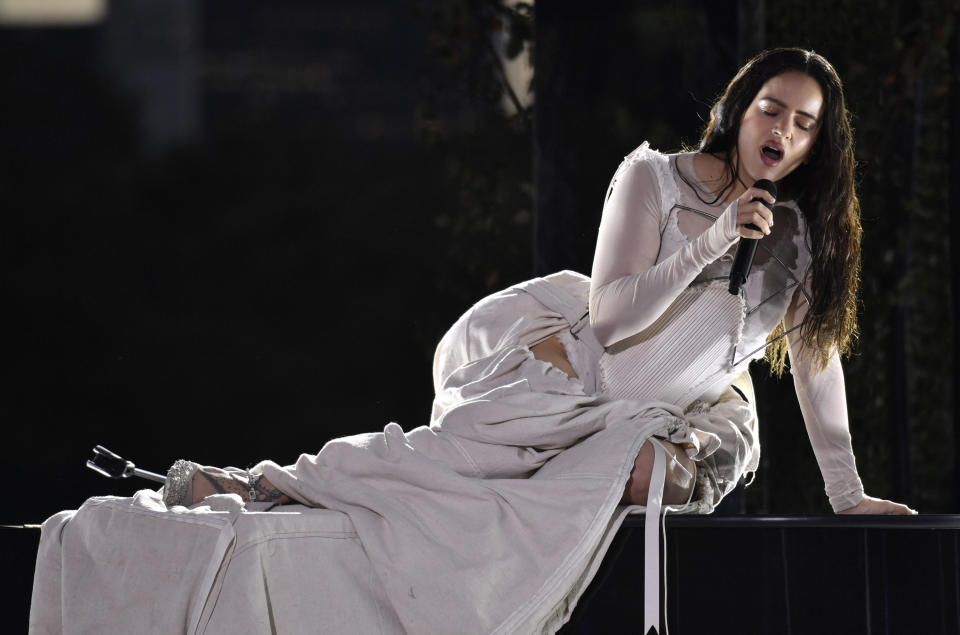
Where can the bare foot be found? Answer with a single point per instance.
(212, 480)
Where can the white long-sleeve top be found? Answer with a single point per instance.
(659, 304)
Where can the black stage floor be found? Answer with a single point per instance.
(753, 574)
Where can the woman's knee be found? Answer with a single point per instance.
(635, 491)
(679, 477)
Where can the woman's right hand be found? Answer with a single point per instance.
(755, 212)
(871, 505)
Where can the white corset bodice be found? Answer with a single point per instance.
(707, 336)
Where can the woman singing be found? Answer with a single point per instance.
(555, 397)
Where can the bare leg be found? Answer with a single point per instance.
(677, 484)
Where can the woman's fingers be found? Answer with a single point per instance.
(746, 228)
(871, 505)
(756, 192)
(752, 210)
(754, 213)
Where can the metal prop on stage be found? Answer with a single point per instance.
(109, 464)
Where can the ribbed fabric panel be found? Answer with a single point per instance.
(680, 354)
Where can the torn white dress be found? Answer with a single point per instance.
(493, 518)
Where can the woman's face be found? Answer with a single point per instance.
(779, 127)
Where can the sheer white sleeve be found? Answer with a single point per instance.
(823, 402)
(629, 290)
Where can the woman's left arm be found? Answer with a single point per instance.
(823, 402)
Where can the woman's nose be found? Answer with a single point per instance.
(779, 127)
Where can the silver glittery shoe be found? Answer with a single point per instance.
(178, 488)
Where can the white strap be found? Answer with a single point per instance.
(651, 539)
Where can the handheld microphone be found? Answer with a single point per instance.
(747, 247)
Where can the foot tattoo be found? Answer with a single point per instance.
(250, 487)
(189, 483)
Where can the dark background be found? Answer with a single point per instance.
(234, 230)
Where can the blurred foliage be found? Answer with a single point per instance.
(609, 77)
(484, 240)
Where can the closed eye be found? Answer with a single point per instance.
(805, 128)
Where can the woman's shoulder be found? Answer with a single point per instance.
(646, 156)
(644, 168)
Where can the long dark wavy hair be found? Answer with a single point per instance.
(823, 187)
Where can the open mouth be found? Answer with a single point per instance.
(772, 153)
